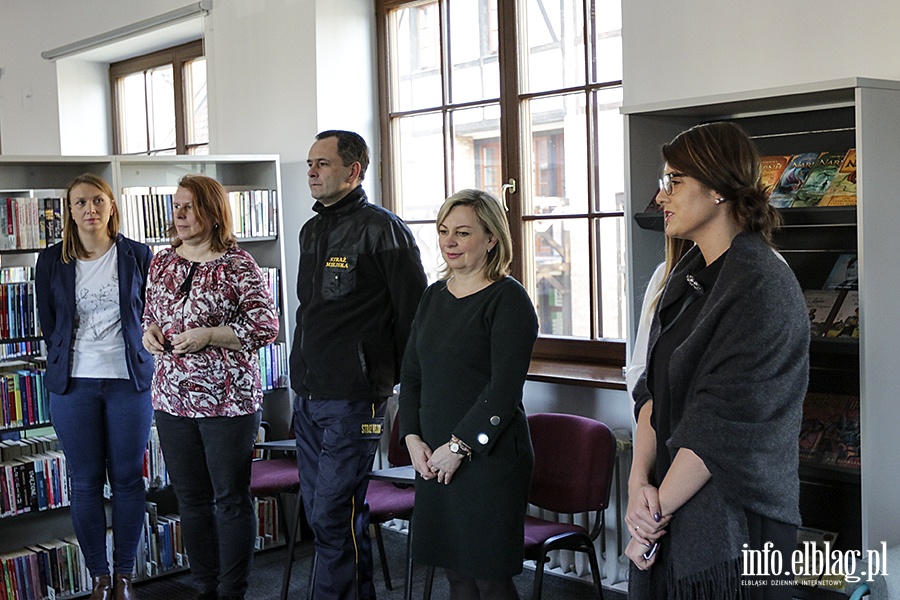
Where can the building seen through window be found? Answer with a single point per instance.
(491, 93)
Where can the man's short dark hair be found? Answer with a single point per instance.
(351, 148)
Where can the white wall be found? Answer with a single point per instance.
(703, 47)
(84, 123)
(29, 100)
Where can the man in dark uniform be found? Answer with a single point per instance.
(359, 284)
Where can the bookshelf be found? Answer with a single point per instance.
(256, 183)
(834, 115)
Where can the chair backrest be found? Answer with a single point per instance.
(573, 463)
(398, 455)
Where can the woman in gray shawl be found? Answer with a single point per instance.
(719, 406)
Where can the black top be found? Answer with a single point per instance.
(463, 374)
(360, 280)
(677, 322)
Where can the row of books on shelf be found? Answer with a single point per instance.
(24, 401)
(272, 277)
(16, 274)
(273, 366)
(47, 570)
(830, 432)
(30, 223)
(26, 349)
(147, 216)
(18, 311)
(35, 481)
(811, 179)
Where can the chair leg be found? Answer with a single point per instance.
(538, 576)
(292, 542)
(379, 539)
(595, 569)
(407, 586)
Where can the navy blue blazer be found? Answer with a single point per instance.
(55, 288)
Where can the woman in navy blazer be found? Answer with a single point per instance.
(90, 297)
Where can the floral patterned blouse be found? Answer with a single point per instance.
(214, 382)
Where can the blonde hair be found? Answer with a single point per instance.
(72, 248)
(492, 218)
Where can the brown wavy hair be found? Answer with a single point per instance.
(212, 210)
(722, 157)
(72, 248)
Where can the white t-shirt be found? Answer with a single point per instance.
(99, 349)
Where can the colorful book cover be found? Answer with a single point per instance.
(848, 453)
(845, 273)
(846, 319)
(771, 169)
(842, 191)
(822, 413)
(818, 180)
(821, 304)
(792, 178)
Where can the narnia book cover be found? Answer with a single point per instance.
(792, 178)
(818, 180)
(842, 191)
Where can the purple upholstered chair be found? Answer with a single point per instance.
(387, 501)
(573, 471)
(276, 477)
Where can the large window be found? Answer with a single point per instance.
(521, 98)
(159, 102)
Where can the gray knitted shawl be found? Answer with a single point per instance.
(742, 372)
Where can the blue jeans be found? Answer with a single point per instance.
(336, 446)
(103, 426)
(208, 461)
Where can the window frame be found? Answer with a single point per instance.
(606, 352)
(177, 57)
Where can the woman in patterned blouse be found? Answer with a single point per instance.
(208, 310)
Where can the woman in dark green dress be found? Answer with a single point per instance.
(461, 412)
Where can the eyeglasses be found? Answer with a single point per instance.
(667, 184)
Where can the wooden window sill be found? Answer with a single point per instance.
(576, 373)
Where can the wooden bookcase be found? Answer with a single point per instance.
(834, 115)
(42, 175)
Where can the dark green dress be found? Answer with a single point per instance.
(463, 374)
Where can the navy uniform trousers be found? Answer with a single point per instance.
(336, 445)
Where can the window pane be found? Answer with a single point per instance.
(160, 93)
(476, 149)
(419, 167)
(132, 114)
(427, 240)
(610, 150)
(416, 66)
(475, 71)
(611, 266)
(557, 155)
(608, 40)
(552, 50)
(195, 94)
(560, 281)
